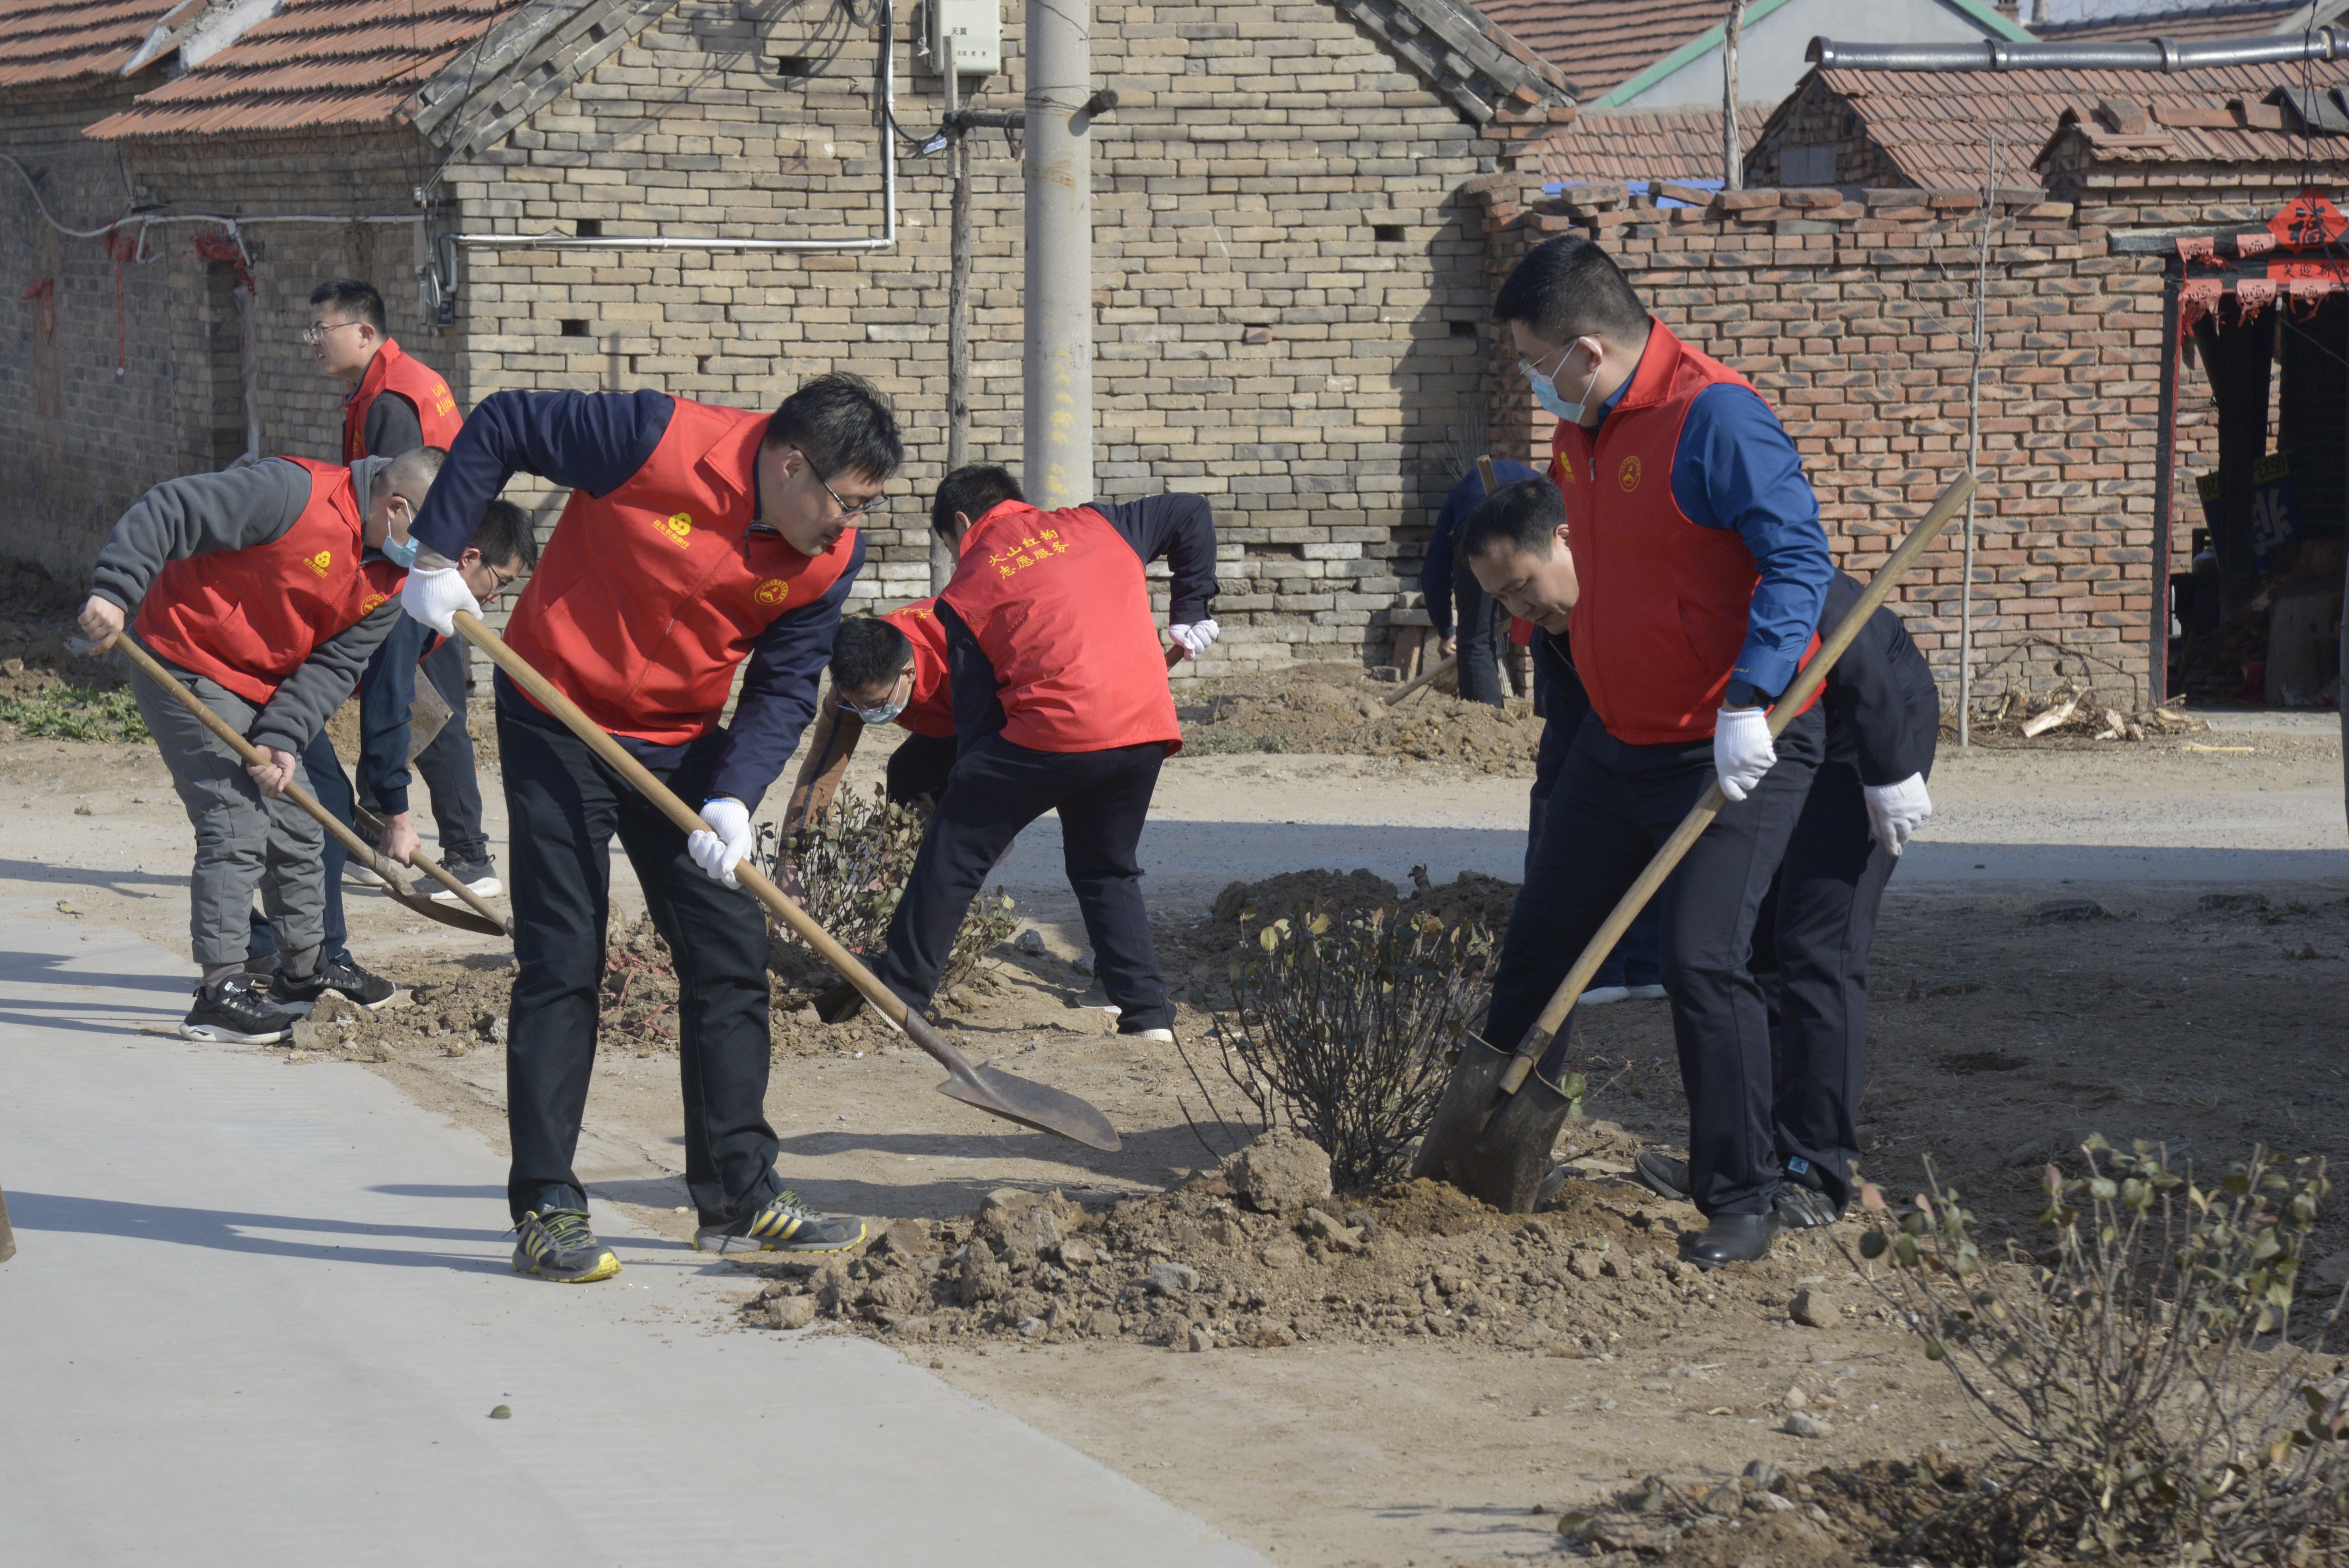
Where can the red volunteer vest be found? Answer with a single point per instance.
(930, 710)
(391, 370)
(646, 600)
(1060, 607)
(1665, 602)
(249, 618)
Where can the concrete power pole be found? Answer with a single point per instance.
(1733, 142)
(942, 555)
(1057, 358)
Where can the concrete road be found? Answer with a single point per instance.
(261, 1311)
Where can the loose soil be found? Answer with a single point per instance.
(1339, 708)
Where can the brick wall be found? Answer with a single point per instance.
(1255, 340)
(1852, 315)
(75, 438)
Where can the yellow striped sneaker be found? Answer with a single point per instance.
(557, 1244)
(784, 1224)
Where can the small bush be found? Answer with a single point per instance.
(74, 712)
(1339, 1030)
(848, 869)
(2153, 1385)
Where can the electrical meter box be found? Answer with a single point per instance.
(976, 28)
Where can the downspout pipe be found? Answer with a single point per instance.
(2168, 55)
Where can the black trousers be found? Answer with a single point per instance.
(918, 768)
(331, 786)
(1810, 951)
(1475, 619)
(1613, 806)
(996, 789)
(564, 807)
(446, 765)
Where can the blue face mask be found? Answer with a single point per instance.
(399, 553)
(1546, 394)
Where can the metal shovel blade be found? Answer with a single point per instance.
(1035, 1105)
(463, 919)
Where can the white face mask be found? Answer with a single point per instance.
(1546, 394)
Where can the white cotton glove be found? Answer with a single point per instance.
(435, 595)
(1894, 810)
(1741, 750)
(1195, 638)
(720, 848)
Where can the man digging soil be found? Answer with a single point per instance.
(696, 537)
(1703, 568)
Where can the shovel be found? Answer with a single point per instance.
(991, 1090)
(359, 849)
(1490, 1140)
(7, 1236)
(371, 823)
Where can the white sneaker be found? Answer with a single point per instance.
(1599, 995)
(480, 887)
(1156, 1036)
(1649, 994)
(359, 875)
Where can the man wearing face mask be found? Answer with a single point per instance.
(1701, 568)
(263, 590)
(695, 538)
(885, 669)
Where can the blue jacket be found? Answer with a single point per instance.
(1436, 573)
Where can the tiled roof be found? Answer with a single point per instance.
(316, 63)
(2181, 23)
(1937, 128)
(1602, 44)
(57, 40)
(1625, 144)
(1470, 58)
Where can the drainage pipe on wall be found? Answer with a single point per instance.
(2166, 55)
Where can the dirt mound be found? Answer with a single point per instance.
(1338, 708)
(1198, 1268)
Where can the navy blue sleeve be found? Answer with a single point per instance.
(778, 692)
(1436, 572)
(970, 675)
(1181, 528)
(387, 702)
(1882, 705)
(592, 441)
(1737, 468)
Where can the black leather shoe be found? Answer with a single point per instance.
(1663, 1176)
(1734, 1239)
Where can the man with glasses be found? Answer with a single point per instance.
(395, 403)
(885, 669)
(1688, 561)
(696, 537)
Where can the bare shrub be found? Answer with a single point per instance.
(2153, 1386)
(1339, 1030)
(848, 869)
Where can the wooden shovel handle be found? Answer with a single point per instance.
(444, 876)
(1782, 713)
(358, 848)
(884, 1000)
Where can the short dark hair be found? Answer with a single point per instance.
(1567, 288)
(842, 424)
(1523, 516)
(506, 535)
(974, 490)
(355, 297)
(867, 652)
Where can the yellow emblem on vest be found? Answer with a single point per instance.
(371, 603)
(773, 591)
(320, 562)
(1628, 476)
(679, 526)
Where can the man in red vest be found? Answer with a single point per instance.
(263, 589)
(885, 669)
(695, 538)
(395, 403)
(1060, 701)
(1692, 568)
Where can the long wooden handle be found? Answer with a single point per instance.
(358, 848)
(1782, 713)
(884, 1000)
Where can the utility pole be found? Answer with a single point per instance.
(1733, 144)
(942, 555)
(1057, 356)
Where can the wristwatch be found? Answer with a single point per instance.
(1745, 694)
